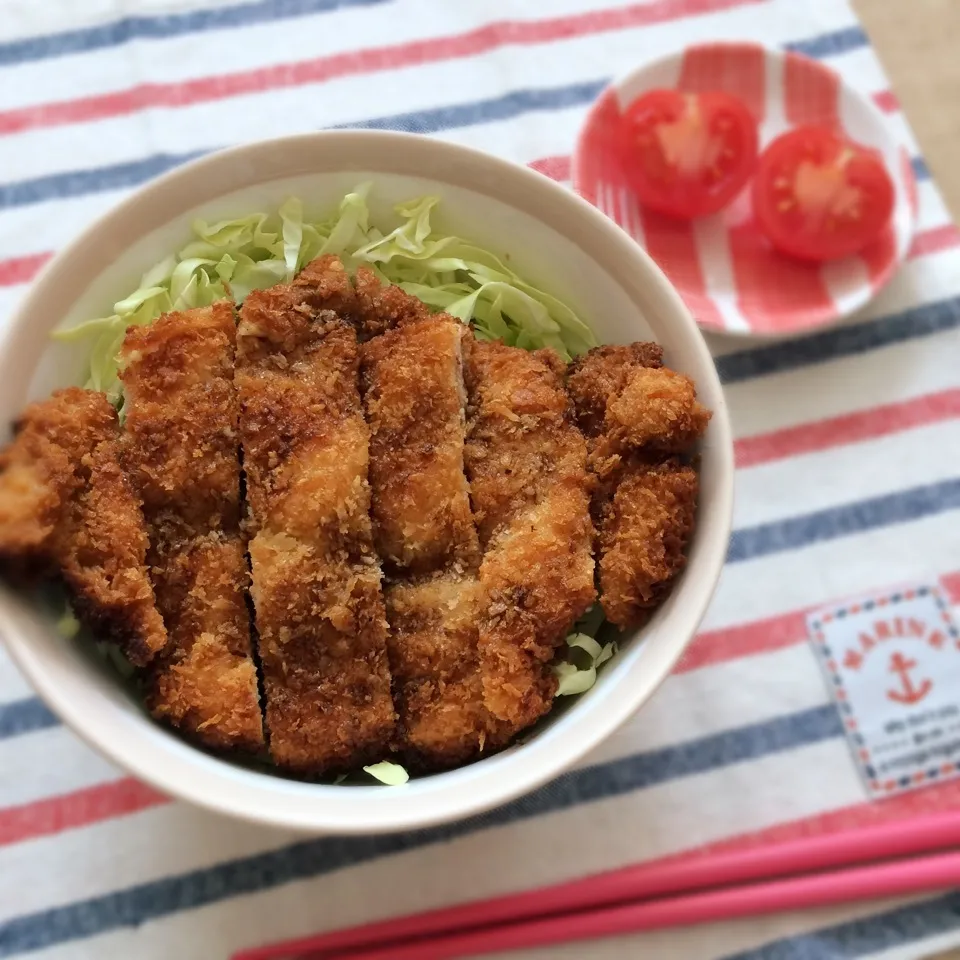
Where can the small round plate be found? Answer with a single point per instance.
(732, 280)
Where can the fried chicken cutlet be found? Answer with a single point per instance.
(377, 307)
(414, 399)
(596, 376)
(316, 579)
(526, 463)
(638, 415)
(642, 537)
(66, 507)
(182, 451)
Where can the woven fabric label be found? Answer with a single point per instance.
(892, 662)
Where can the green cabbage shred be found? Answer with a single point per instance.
(578, 673)
(392, 774)
(233, 257)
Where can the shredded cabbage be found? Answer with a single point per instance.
(68, 626)
(392, 774)
(578, 673)
(111, 653)
(233, 257)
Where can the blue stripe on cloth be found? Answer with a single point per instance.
(831, 44)
(866, 935)
(844, 341)
(79, 183)
(24, 716)
(903, 506)
(313, 858)
(510, 105)
(118, 32)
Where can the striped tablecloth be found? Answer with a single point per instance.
(848, 482)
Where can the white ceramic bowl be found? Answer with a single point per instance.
(552, 238)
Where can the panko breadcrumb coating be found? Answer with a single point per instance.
(414, 403)
(181, 448)
(600, 374)
(316, 579)
(424, 531)
(379, 307)
(526, 462)
(67, 507)
(643, 535)
(656, 411)
(637, 414)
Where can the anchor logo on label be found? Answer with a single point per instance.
(908, 693)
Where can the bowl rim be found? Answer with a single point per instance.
(188, 773)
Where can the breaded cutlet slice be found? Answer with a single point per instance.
(412, 380)
(371, 306)
(325, 284)
(414, 401)
(206, 685)
(37, 476)
(656, 412)
(526, 462)
(643, 532)
(638, 415)
(316, 580)
(67, 507)
(381, 307)
(437, 682)
(181, 448)
(598, 375)
(520, 432)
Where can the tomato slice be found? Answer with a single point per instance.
(688, 154)
(819, 196)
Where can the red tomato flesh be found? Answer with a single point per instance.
(819, 196)
(688, 154)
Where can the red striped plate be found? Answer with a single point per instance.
(729, 276)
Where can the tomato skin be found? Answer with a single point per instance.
(818, 196)
(688, 154)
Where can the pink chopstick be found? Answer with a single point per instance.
(630, 884)
(940, 871)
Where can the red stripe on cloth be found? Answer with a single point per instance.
(775, 292)
(673, 246)
(766, 636)
(934, 240)
(78, 809)
(849, 428)
(556, 168)
(811, 92)
(21, 269)
(731, 643)
(738, 69)
(371, 60)
(907, 806)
